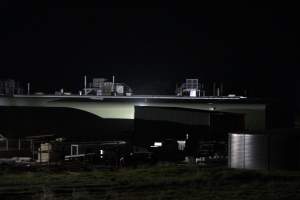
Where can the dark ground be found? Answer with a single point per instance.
(159, 182)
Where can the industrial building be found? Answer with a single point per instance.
(193, 123)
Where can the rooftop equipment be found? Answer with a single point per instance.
(191, 85)
(102, 87)
(10, 87)
(189, 88)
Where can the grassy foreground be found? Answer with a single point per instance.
(159, 182)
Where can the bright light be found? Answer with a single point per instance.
(157, 144)
(193, 93)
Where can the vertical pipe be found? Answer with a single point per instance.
(113, 84)
(85, 82)
(6, 144)
(28, 88)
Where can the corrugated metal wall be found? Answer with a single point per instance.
(264, 151)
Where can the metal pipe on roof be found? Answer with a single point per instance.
(28, 88)
(85, 82)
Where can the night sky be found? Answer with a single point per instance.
(152, 45)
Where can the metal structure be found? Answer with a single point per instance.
(10, 87)
(189, 88)
(102, 87)
(27, 147)
(268, 150)
(193, 88)
(191, 84)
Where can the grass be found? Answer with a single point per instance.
(159, 182)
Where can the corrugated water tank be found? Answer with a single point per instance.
(265, 150)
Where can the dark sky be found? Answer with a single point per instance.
(151, 45)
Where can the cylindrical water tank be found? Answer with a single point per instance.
(265, 150)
